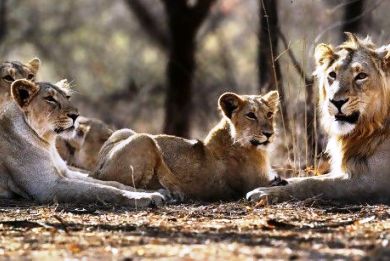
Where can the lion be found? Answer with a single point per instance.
(11, 71)
(82, 148)
(30, 166)
(354, 98)
(232, 160)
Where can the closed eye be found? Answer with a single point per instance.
(50, 99)
(251, 116)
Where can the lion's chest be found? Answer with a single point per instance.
(58, 162)
(246, 172)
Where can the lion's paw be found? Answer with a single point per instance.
(144, 199)
(271, 195)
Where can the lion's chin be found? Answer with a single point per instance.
(342, 128)
(65, 132)
(258, 144)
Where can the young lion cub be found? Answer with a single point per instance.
(81, 150)
(230, 162)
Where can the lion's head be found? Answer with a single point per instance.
(82, 148)
(46, 107)
(353, 86)
(251, 117)
(11, 71)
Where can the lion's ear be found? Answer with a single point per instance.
(383, 53)
(23, 91)
(272, 99)
(34, 65)
(229, 102)
(323, 54)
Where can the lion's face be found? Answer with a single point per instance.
(251, 117)
(352, 85)
(11, 71)
(46, 106)
(87, 139)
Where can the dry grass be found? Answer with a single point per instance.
(237, 230)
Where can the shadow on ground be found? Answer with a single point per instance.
(234, 230)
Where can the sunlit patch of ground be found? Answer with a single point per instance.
(237, 230)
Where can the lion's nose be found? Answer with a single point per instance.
(267, 133)
(73, 116)
(339, 103)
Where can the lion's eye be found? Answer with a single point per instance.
(50, 99)
(8, 78)
(270, 115)
(361, 76)
(251, 116)
(30, 76)
(332, 75)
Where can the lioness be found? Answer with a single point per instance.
(354, 88)
(11, 71)
(30, 166)
(82, 148)
(231, 161)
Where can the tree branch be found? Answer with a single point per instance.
(297, 66)
(148, 23)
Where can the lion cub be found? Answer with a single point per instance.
(82, 148)
(230, 162)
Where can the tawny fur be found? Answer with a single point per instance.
(30, 166)
(15, 70)
(229, 162)
(357, 73)
(82, 148)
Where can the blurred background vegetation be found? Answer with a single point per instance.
(159, 65)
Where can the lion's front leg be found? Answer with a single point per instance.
(76, 191)
(84, 177)
(328, 189)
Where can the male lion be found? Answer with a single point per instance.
(30, 166)
(231, 161)
(81, 150)
(354, 93)
(11, 71)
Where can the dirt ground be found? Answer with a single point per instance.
(234, 231)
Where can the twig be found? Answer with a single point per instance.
(64, 226)
(297, 66)
(338, 24)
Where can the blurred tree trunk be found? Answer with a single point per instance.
(353, 18)
(314, 135)
(184, 20)
(269, 72)
(3, 20)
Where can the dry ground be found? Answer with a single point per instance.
(236, 231)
